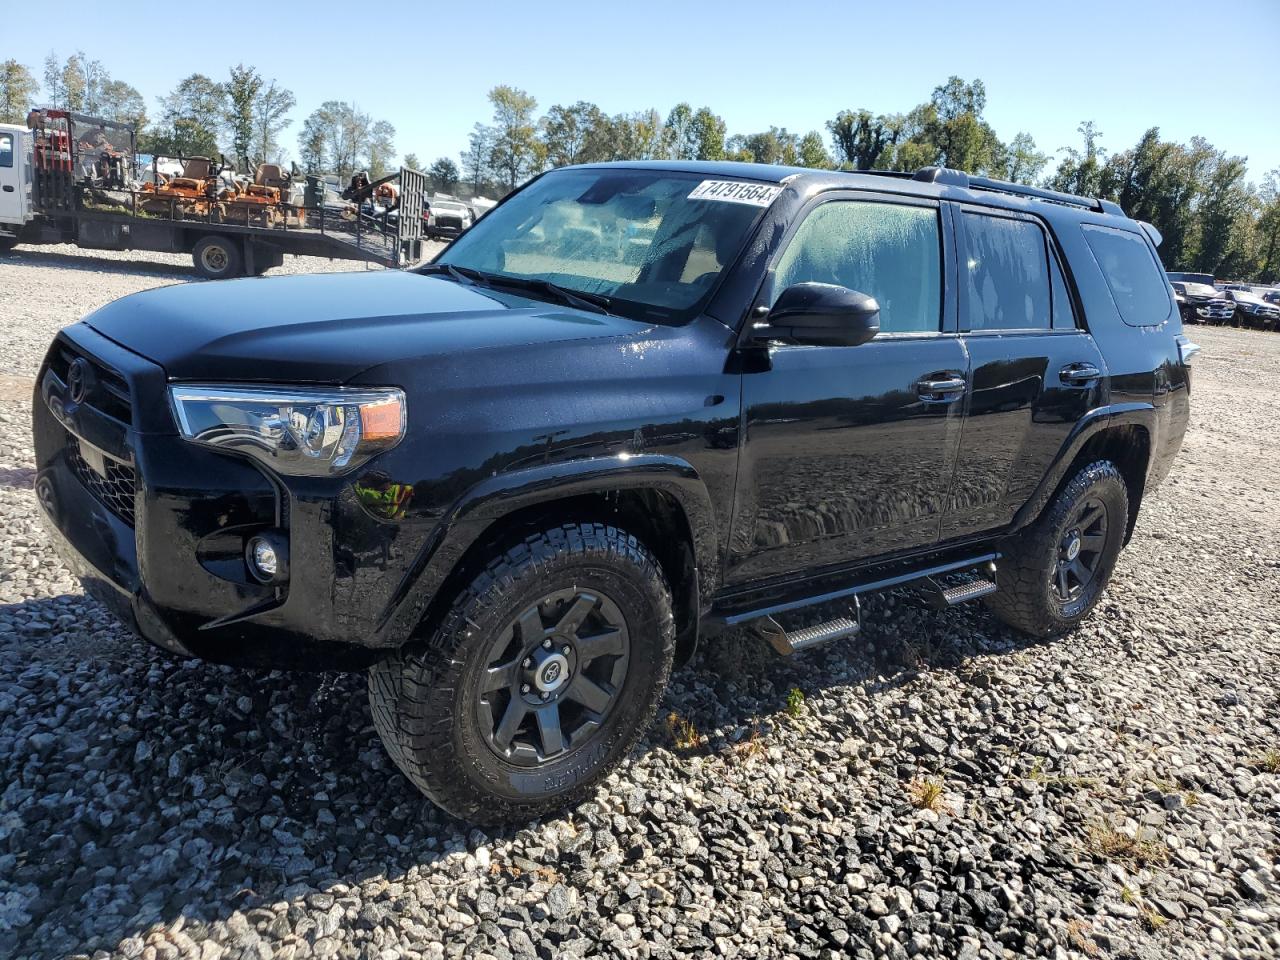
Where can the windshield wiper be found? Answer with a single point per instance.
(461, 274)
(580, 299)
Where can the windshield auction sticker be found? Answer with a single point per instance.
(734, 191)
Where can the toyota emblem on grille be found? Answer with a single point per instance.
(79, 379)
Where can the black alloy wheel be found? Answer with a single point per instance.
(553, 676)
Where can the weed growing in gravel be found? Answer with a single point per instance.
(928, 794)
(750, 749)
(1078, 932)
(1269, 761)
(1038, 775)
(1112, 844)
(1129, 895)
(1151, 920)
(795, 702)
(684, 735)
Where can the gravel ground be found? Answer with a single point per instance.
(942, 787)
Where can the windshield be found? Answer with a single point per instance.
(636, 237)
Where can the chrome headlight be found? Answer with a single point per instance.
(302, 431)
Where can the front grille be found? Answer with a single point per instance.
(115, 490)
(110, 392)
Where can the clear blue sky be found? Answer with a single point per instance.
(1189, 68)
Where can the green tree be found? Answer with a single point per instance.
(380, 148)
(1023, 163)
(17, 91)
(709, 133)
(862, 140)
(242, 91)
(270, 116)
(774, 145)
(1225, 220)
(412, 162)
(189, 119)
(1080, 170)
(571, 134)
(1267, 231)
(444, 173)
(338, 137)
(477, 158)
(813, 152)
(517, 153)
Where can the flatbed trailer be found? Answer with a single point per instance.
(68, 178)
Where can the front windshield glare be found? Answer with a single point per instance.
(633, 236)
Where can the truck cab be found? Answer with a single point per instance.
(15, 182)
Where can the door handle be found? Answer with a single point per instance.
(944, 389)
(8, 189)
(1078, 373)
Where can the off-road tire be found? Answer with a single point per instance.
(1027, 599)
(217, 257)
(421, 697)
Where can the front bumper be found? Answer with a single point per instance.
(156, 527)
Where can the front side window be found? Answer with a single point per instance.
(1135, 279)
(6, 149)
(1006, 274)
(652, 241)
(885, 250)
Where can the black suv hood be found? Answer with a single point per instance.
(326, 328)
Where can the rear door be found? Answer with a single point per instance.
(848, 451)
(1035, 370)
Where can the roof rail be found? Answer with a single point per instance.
(958, 178)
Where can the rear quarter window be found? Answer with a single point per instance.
(1136, 281)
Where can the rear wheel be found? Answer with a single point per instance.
(1055, 570)
(7, 244)
(539, 680)
(217, 257)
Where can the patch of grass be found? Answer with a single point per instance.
(684, 735)
(1152, 920)
(795, 702)
(750, 749)
(1078, 933)
(1269, 762)
(1130, 896)
(1112, 844)
(927, 794)
(1037, 774)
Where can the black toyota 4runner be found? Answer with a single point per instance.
(634, 403)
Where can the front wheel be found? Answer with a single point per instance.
(1055, 570)
(541, 677)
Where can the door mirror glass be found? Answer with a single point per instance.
(822, 314)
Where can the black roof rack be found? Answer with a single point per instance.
(958, 178)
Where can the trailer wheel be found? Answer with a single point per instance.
(217, 257)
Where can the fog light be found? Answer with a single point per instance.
(267, 555)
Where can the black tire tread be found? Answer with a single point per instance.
(411, 692)
(1021, 600)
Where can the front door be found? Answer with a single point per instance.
(1035, 370)
(11, 187)
(848, 451)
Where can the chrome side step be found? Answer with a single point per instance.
(788, 642)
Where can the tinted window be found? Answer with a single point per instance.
(1006, 274)
(6, 150)
(1137, 283)
(885, 250)
(1064, 317)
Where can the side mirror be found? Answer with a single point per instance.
(822, 314)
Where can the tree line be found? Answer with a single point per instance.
(1213, 218)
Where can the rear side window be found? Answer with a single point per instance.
(1006, 274)
(1136, 281)
(885, 250)
(6, 149)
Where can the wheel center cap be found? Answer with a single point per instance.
(551, 673)
(1073, 548)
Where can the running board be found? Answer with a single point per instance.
(788, 642)
(944, 598)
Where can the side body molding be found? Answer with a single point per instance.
(484, 504)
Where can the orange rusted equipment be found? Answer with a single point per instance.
(191, 193)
